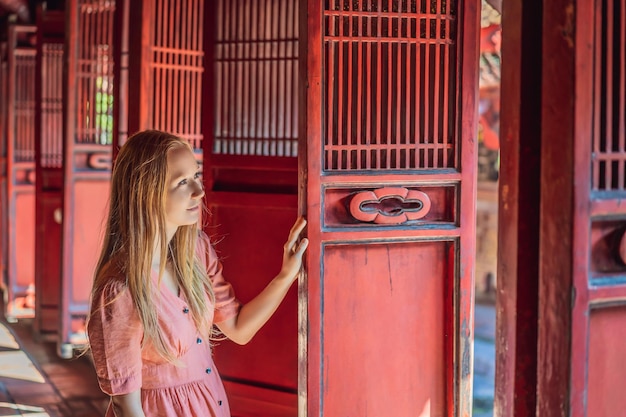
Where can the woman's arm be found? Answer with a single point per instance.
(253, 315)
(128, 405)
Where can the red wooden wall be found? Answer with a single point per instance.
(19, 211)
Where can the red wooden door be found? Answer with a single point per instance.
(252, 181)
(86, 157)
(20, 172)
(598, 317)
(389, 151)
(48, 162)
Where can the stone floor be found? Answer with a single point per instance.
(35, 382)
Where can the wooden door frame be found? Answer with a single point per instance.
(518, 211)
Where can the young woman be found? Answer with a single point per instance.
(159, 289)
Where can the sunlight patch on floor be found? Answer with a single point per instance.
(22, 410)
(6, 338)
(15, 364)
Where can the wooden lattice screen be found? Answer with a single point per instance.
(379, 114)
(177, 67)
(52, 105)
(24, 105)
(609, 136)
(94, 76)
(256, 54)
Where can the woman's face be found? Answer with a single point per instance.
(184, 190)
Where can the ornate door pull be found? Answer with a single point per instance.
(389, 205)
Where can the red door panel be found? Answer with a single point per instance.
(249, 233)
(384, 324)
(24, 246)
(604, 395)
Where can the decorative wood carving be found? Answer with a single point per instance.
(389, 205)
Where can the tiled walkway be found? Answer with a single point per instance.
(35, 382)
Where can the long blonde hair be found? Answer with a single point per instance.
(136, 220)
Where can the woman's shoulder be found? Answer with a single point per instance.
(111, 278)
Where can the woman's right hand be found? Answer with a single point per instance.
(293, 251)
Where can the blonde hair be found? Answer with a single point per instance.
(136, 220)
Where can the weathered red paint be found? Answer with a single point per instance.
(518, 216)
(599, 293)
(580, 179)
(357, 334)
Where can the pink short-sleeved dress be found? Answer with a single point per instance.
(193, 386)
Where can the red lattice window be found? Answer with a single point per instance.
(609, 136)
(177, 68)
(256, 78)
(24, 105)
(94, 75)
(52, 105)
(390, 84)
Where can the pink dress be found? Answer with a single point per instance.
(191, 388)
